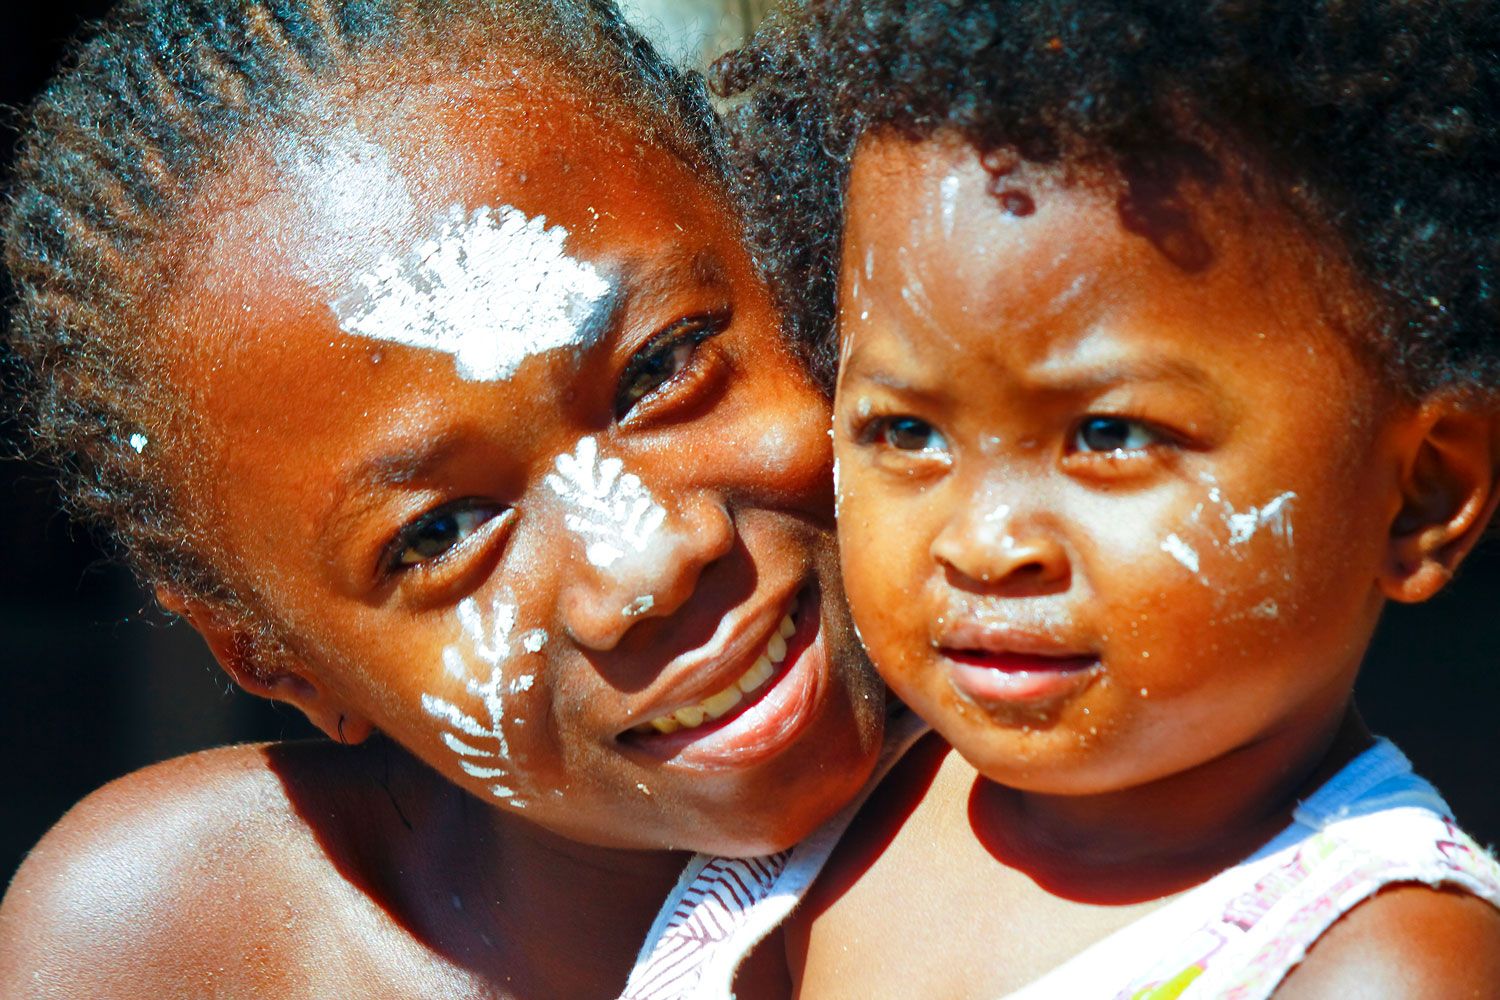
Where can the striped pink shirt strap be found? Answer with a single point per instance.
(722, 907)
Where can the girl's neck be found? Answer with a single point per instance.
(1164, 836)
(511, 902)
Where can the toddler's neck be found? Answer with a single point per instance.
(1159, 838)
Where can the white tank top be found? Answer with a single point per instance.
(1373, 824)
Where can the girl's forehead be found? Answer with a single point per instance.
(331, 192)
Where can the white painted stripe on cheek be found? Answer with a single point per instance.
(491, 289)
(487, 639)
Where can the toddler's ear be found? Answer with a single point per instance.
(240, 650)
(1448, 492)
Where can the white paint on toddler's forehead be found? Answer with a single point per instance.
(609, 508)
(948, 189)
(491, 288)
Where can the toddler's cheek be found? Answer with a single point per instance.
(884, 578)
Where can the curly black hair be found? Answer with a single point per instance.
(1376, 120)
(155, 104)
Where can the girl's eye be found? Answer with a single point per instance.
(662, 359)
(434, 534)
(909, 434)
(1108, 434)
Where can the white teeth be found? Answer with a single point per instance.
(756, 675)
(776, 649)
(691, 716)
(715, 706)
(722, 702)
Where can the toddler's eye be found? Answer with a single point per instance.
(909, 434)
(1114, 434)
(664, 358)
(434, 534)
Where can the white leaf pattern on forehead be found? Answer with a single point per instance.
(491, 289)
(610, 509)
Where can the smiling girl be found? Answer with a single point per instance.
(412, 353)
(1167, 357)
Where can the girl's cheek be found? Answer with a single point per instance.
(482, 698)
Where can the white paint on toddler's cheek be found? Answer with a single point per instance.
(639, 606)
(492, 289)
(1184, 553)
(610, 509)
(479, 738)
(1273, 514)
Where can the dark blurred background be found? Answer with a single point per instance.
(95, 683)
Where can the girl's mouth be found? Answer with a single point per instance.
(756, 715)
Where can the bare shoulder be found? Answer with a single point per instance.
(156, 874)
(1408, 942)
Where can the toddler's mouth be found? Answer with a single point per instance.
(1005, 679)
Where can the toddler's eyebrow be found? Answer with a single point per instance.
(1091, 375)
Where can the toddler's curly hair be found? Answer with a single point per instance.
(1374, 120)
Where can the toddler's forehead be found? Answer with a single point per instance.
(936, 232)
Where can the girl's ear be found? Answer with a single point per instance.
(1448, 492)
(239, 650)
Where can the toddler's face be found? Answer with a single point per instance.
(1101, 519)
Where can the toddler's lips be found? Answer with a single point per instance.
(1009, 679)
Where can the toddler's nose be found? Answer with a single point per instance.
(996, 551)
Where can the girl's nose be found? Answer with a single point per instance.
(614, 589)
(997, 552)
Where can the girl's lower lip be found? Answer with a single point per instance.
(767, 725)
(1013, 679)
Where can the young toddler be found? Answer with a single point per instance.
(1166, 358)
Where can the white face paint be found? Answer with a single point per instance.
(491, 289)
(610, 509)
(138, 442)
(1181, 551)
(1272, 514)
(948, 192)
(480, 742)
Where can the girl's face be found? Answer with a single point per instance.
(1102, 518)
(503, 437)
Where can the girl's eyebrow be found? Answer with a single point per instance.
(649, 279)
(361, 487)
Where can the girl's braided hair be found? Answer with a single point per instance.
(151, 107)
(1376, 121)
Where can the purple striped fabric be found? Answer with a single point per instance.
(713, 907)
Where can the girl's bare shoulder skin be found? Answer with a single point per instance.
(243, 870)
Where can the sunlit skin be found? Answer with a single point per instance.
(359, 491)
(1121, 532)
